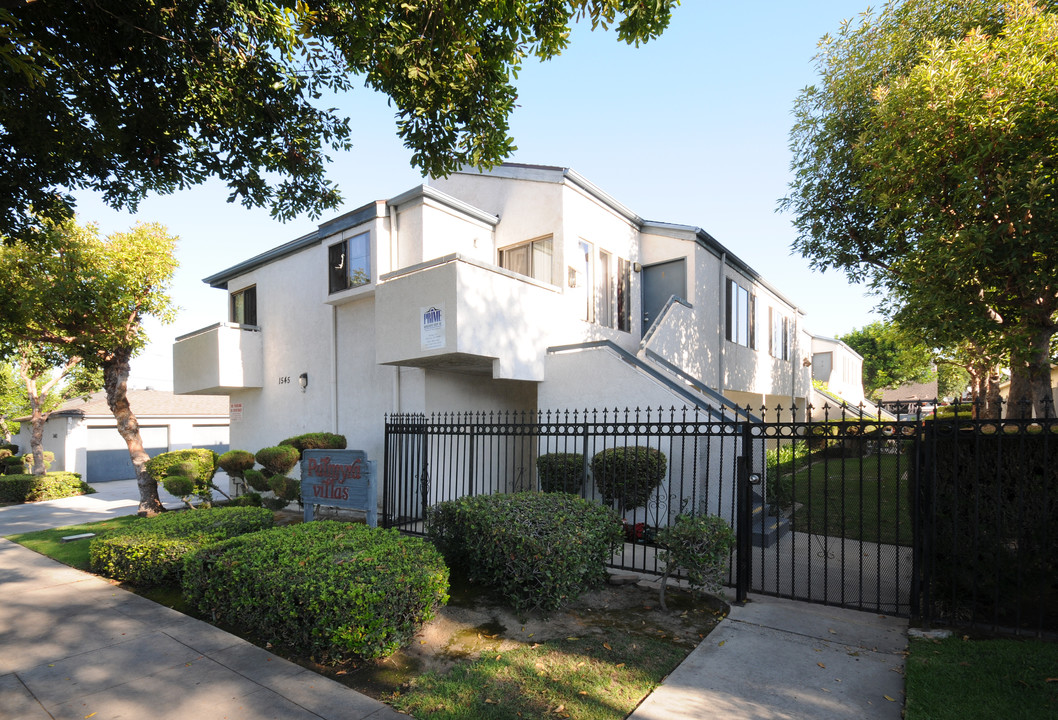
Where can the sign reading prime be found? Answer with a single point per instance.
(339, 478)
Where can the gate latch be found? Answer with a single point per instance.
(755, 478)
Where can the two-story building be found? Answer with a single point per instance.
(523, 288)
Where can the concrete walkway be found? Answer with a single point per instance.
(75, 646)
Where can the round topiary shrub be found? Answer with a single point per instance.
(699, 547)
(278, 460)
(316, 441)
(628, 475)
(180, 486)
(335, 591)
(561, 472)
(199, 464)
(536, 550)
(236, 462)
(257, 480)
(286, 488)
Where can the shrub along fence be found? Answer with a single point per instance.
(941, 517)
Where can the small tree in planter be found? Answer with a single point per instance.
(700, 546)
(235, 463)
(561, 472)
(277, 462)
(628, 475)
(186, 473)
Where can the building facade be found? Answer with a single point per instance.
(524, 288)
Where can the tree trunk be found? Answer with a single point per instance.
(36, 417)
(115, 382)
(1030, 378)
(993, 401)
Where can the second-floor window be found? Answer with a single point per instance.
(244, 306)
(532, 258)
(779, 345)
(740, 307)
(624, 295)
(349, 263)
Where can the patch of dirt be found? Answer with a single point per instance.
(473, 622)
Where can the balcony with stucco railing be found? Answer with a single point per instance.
(460, 314)
(218, 359)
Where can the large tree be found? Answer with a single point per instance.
(82, 296)
(891, 358)
(128, 97)
(924, 164)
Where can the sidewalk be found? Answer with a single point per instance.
(76, 646)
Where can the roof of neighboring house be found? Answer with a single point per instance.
(145, 403)
(912, 391)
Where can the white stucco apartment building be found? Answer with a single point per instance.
(523, 288)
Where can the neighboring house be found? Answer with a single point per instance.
(523, 288)
(1004, 387)
(910, 397)
(84, 437)
(840, 369)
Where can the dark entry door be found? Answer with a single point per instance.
(660, 282)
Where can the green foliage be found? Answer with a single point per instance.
(236, 462)
(891, 357)
(536, 550)
(561, 472)
(996, 500)
(27, 461)
(332, 590)
(921, 166)
(180, 486)
(248, 499)
(628, 475)
(284, 487)
(780, 464)
(32, 488)
(151, 551)
(699, 547)
(278, 460)
(317, 441)
(151, 100)
(256, 480)
(197, 463)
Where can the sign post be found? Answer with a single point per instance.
(339, 478)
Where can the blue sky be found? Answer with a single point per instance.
(691, 128)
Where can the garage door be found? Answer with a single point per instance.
(210, 437)
(108, 455)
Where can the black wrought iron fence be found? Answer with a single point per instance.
(935, 515)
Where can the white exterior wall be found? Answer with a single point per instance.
(840, 367)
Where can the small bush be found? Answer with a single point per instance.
(286, 488)
(27, 461)
(781, 464)
(278, 460)
(533, 549)
(33, 488)
(236, 462)
(628, 475)
(561, 472)
(199, 464)
(11, 448)
(12, 465)
(150, 551)
(180, 486)
(316, 441)
(5, 453)
(699, 547)
(257, 480)
(333, 590)
(249, 499)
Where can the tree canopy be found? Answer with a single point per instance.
(891, 358)
(924, 163)
(128, 97)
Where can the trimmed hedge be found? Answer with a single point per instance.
(236, 462)
(628, 475)
(33, 488)
(561, 472)
(536, 550)
(278, 460)
(333, 590)
(150, 551)
(699, 546)
(316, 441)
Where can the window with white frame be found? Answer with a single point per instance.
(605, 301)
(740, 309)
(532, 259)
(244, 306)
(779, 345)
(349, 263)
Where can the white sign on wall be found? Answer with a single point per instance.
(235, 412)
(432, 330)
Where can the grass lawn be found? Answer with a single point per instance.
(595, 660)
(856, 498)
(961, 679)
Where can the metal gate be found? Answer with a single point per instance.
(948, 519)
